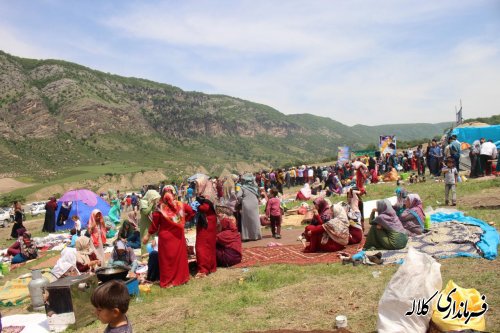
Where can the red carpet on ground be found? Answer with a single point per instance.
(290, 254)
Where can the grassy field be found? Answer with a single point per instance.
(307, 297)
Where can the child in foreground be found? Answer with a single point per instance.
(111, 301)
(450, 181)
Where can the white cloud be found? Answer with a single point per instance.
(354, 61)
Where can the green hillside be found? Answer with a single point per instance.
(56, 115)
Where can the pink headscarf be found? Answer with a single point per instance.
(205, 188)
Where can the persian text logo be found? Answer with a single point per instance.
(453, 311)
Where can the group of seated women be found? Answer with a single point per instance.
(334, 227)
(23, 249)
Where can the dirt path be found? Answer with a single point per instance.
(489, 199)
(10, 184)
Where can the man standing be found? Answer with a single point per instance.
(455, 149)
(488, 153)
(435, 155)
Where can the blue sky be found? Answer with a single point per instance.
(368, 62)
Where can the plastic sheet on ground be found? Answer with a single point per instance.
(33, 323)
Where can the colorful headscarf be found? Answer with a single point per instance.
(338, 227)
(169, 188)
(171, 209)
(416, 208)
(324, 210)
(205, 188)
(28, 251)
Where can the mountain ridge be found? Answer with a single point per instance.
(98, 117)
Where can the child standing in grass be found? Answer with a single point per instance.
(78, 224)
(273, 213)
(450, 181)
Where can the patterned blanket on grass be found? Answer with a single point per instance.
(444, 240)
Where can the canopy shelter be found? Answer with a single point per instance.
(81, 203)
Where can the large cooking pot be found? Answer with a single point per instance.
(105, 274)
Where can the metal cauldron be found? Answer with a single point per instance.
(105, 274)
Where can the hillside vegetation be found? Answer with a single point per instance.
(55, 115)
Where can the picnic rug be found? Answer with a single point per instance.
(290, 254)
(450, 235)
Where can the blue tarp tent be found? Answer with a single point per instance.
(82, 210)
(470, 134)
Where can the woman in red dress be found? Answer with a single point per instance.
(97, 230)
(206, 228)
(168, 222)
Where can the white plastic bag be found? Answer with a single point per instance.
(419, 277)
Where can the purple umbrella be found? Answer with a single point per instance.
(86, 196)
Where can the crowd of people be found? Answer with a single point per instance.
(226, 212)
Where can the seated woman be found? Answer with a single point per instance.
(332, 235)
(391, 176)
(228, 246)
(316, 187)
(386, 232)
(304, 194)
(66, 265)
(321, 214)
(413, 216)
(86, 258)
(23, 249)
(130, 235)
(123, 255)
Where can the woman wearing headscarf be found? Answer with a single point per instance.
(168, 222)
(86, 257)
(331, 235)
(128, 232)
(114, 212)
(23, 249)
(248, 197)
(401, 195)
(228, 246)
(361, 171)
(413, 216)
(228, 188)
(304, 193)
(147, 206)
(206, 228)
(386, 232)
(123, 255)
(97, 230)
(316, 186)
(17, 227)
(321, 214)
(49, 225)
(66, 265)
